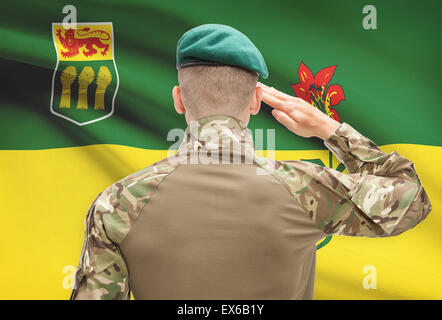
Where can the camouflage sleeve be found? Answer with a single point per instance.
(102, 273)
(382, 195)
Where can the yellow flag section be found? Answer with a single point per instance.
(45, 195)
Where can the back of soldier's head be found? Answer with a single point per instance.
(212, 90)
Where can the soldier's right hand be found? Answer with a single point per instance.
(297, 115)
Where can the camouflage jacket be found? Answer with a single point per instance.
(381, 196)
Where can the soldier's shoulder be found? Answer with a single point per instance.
(287, 165)
(159, 168)
(134, 190)
(298, 174)
(120, 204)
(287, 168)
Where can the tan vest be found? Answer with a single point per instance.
(221, 231)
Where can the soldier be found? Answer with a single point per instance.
(195, 227)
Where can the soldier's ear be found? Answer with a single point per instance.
(178, 103)
(255, 104)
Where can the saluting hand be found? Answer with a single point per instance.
(297, 115)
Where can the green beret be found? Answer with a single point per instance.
(217, 44)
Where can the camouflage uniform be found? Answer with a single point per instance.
(191, 227)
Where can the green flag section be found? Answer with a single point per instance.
(82, 108)
(389, 76)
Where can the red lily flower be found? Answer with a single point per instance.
(312, 89)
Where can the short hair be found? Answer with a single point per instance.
(212, 90)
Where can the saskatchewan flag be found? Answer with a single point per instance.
(82, 108)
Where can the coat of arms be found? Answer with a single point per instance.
(85, 79)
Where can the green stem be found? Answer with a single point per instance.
(324, 242)
(330, 157)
